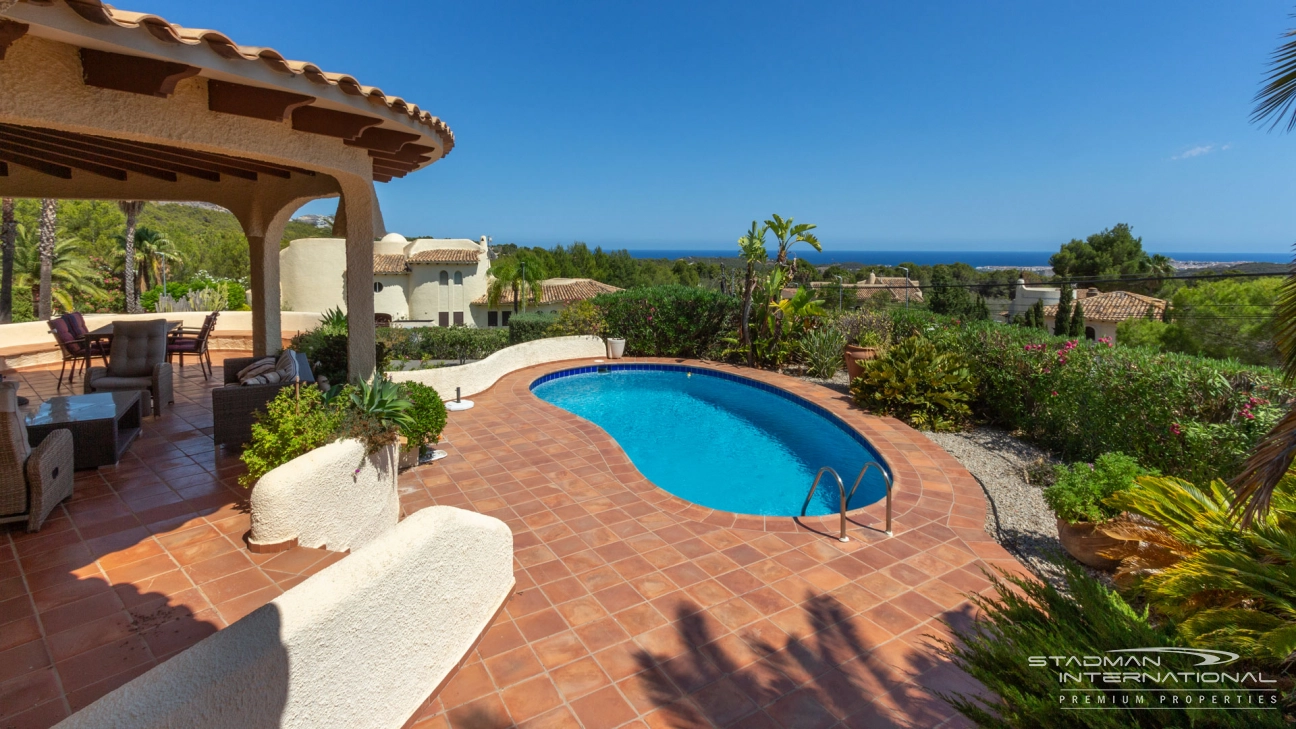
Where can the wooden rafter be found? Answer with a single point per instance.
(331, 123)
(90, 145)
(253, 101)
(135, 74)
(383, 140)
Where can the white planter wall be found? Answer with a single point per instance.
(360, 645)
(479, 376)
(335, 497)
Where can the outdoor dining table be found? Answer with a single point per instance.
(106, 332)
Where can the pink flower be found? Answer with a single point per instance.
(1248, 416)
(1055, 393)
(1174, 428)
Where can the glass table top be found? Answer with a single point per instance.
(79, 408)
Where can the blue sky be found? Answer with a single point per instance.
(987, 125)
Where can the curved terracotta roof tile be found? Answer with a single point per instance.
(446, 255)
(100, 13)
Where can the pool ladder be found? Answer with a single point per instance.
(845, 497)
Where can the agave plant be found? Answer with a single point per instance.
(823, 351)
(383, 401)
(334, 321)
(1227, 586)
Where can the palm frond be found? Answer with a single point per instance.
(1274, 101)
(1269, 462)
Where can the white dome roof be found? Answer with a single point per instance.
(394, 238)
(391, 244)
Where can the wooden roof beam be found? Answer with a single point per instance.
(10, 31)
(331, 123)
(253, 101)
(383, 140)
(55, 148)
(133, 74)
(39, 165)
(177, 162)
(63, 160)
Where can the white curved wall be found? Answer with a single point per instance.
(311, 274)
(334, 497)
(360, 644)
(479, 376)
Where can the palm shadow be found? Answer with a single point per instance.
(820, 679)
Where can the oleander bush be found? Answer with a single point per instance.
(668, 321)
(579, 318)
(528, 326)
(444, 343)
(1183, 415)
(915, 382)
(1079, 490)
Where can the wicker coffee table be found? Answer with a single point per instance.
(103, 424)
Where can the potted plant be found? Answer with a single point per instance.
(1078, 499)
(615, 347)
(427, 418)
(869, 347)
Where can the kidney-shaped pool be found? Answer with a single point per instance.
(718, 440)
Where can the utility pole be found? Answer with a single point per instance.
(902, 268)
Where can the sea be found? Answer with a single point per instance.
(974, 258)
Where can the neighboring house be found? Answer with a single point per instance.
(900, 288)
(424, 282)
(1104, 311)
(555, 295)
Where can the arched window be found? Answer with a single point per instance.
(458, 278)
(377, 287)
(445, 278)
(1090, 334)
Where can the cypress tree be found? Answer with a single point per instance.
(1037, 314)
(1077, 321)
(1062, 322)
(982, 310)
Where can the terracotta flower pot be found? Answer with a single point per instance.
(854, 355)
(1083, 541)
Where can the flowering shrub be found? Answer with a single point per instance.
(919, 384)
(1183, 415)
(668, 321)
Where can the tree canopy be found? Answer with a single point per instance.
(1113, 253)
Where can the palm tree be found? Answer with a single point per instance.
(132, 210)
(752, 246)
(510, 272)
(8, 232)
(69, 271)
(48, 221)
(151, 248)
(789, 234)
(1272, 457)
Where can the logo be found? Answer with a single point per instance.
(1162, 677)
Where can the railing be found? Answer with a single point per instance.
(845, 497)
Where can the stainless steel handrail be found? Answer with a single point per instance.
(845, 498)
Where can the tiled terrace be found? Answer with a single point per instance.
(632, 608)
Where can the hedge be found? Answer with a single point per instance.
(1187, 416)
(525, 327)
(459, 342)
(668, 321)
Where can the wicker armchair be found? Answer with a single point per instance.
(234, 406)
(136, 361)
(32, 480)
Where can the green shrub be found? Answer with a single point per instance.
(668, 321)
(1186, 416)
(1078, 492)
(1028, 618)
(528, 326)
(1226, 587)
(857, 326)
(580, 318)
(294, 423)
(23, 307)
(427, 414)
(917, 383)
(445, 343)
(327, 354)
(823, 350)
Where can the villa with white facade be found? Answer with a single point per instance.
(424, 282)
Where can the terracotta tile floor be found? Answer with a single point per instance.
(632, 608)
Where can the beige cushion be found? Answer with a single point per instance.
(9, 409)
(286, 366)
(257, 368)
(136, 347)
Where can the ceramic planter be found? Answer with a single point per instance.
(854, 355)
(1083, 541)
(615, 348)
(409, 455)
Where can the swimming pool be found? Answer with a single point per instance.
(718, 440)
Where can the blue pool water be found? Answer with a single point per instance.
(719, 441)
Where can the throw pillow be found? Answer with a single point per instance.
(286, 366)
(303, 368)
(257, 368)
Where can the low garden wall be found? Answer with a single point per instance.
(30, 343)
(336, 497)
(479, 376)
(363, 643)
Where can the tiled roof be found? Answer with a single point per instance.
(389, 263)
(446, 255)
(554, 290)
(896, 285)
(1116, 306)
(99, 13)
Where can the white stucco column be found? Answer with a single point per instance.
(358, 207)
(263, 224)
